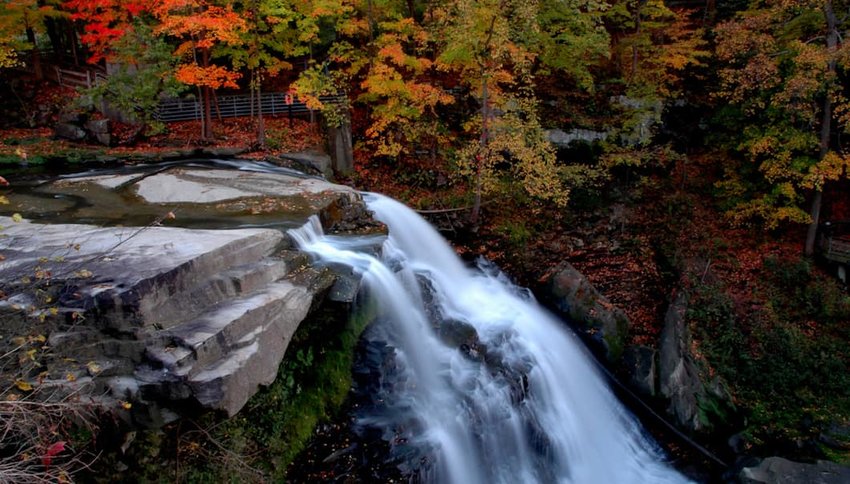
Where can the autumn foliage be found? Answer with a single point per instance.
(105, 22)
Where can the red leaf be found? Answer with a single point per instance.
(52, 452)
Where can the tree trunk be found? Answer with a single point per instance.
(217, 107)
(638, 11)
(207, 133)
(482, 150)
(35, 54)
(826, 124)
(483, 143)
(261, 124)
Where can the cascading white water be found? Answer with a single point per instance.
(491, 385)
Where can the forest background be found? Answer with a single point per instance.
(709, 149)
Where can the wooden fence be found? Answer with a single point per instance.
(836, 248)
(273, 103)
(188, 109)
(79, 79)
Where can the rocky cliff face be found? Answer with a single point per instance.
(169, 319)
(575, 298)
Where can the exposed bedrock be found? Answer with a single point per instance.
(172, 319)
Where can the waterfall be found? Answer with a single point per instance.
(486, 383)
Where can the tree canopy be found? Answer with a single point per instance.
(468, 87)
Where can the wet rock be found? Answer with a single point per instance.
(216, 197)
(313, 161)
(209, 186)
(346, 217)
(639, 361)
(223, 152)
(776, 470)
(575, 298)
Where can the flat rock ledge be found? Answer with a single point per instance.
(171, 317)
(776, 470)
(168, 319)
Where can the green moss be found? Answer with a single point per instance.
(785, 360)
(616, 341)
(30, 140)
(838, 456)
(312, 384)
(17, 160)
(516, 232)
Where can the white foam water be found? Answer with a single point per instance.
(492, 386)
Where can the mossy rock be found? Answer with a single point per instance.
(575, 298)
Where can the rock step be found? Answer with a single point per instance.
(222, 357)
(235, 324)
(244, 251)
(214, 291)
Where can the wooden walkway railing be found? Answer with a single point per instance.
(79, 79)
(273, 103)
(188, 109)
(836, 248)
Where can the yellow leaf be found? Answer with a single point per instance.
(4, 200)
(40, 338)
(83, 273)
(17, 218)
(126, 405)
(70, 377)
(23, 386)
(31, 354)
(93, 368)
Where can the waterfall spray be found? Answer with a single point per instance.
(490, 383)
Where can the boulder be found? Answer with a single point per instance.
(695, 404)
(99, 130)
(575, 298)
(639, 361)
(776, 470)
(314, 161)
(69, 131)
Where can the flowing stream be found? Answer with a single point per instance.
(486, 386)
